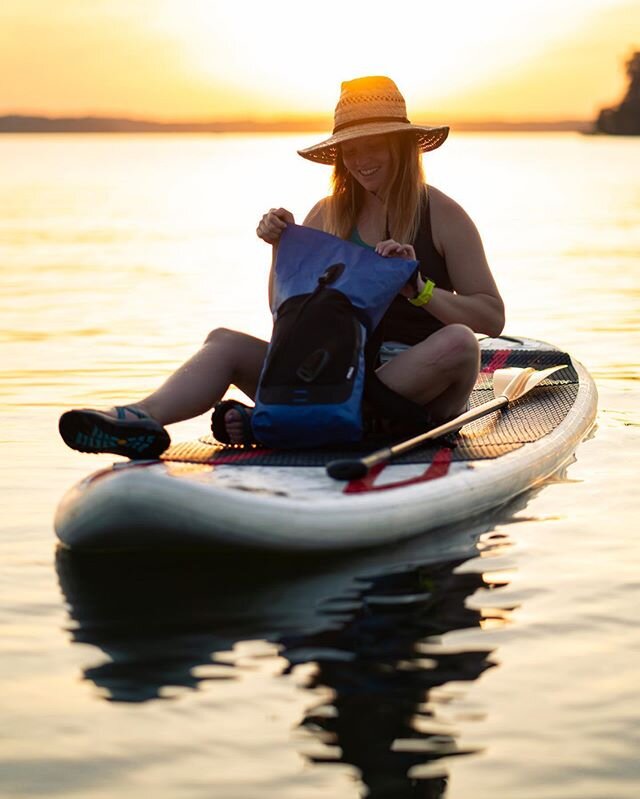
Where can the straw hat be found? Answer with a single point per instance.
(368, 107)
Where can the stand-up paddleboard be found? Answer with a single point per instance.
(201, 494)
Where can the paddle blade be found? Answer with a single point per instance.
(506, 380)
(514, 383)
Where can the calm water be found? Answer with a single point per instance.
(499, 658)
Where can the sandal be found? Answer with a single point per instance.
(87, 430)
(218, 427)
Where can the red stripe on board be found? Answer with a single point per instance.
(237, 457)
(364, 483)
(438, 467)
(216, 460)
(498, 361)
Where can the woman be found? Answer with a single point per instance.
(379, 200)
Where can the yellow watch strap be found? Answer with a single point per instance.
(425, 295)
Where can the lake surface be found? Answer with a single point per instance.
(498, 658)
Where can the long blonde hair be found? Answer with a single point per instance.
(402, 197)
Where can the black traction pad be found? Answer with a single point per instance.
(535, 415)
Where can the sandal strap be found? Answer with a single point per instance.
(122, 409)
(218, 425)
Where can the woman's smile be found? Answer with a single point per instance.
(368, 171)
(368, 160)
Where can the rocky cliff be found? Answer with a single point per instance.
(624, 119)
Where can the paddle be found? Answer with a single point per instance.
(508, 386)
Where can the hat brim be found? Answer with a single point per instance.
(429, 138)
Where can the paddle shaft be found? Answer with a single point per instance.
(347, 470)
(449, 427)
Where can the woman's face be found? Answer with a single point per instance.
(369, 161)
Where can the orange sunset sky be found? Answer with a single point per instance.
(204, 59)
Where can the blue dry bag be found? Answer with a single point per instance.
(329, 295)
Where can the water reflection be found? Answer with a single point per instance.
(389, 659)
(374, 642)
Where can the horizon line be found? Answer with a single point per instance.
(89, 123)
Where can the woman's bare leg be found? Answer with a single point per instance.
(227, 357)
(439, 372)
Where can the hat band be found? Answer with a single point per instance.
(368, 120)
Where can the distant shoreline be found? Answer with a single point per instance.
(17, 123)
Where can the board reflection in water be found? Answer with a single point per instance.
(375, 644)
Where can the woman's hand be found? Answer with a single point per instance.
(273, 223)
(391, 249)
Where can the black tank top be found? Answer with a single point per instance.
(403, 321)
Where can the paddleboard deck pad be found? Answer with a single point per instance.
(202, 494)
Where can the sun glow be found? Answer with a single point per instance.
(288, 61)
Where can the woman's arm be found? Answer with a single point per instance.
(476, 301)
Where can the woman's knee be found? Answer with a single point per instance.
(241, 354)
(461, 344)
(222, 336)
